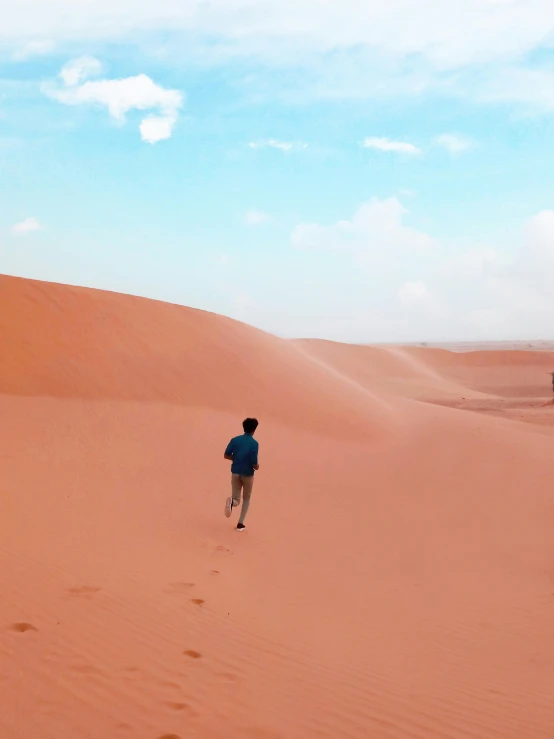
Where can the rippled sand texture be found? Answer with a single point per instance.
(396, 577)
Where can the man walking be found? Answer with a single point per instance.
(242, 451)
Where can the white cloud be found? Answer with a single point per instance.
(454, 143)
(485, 295)
(156, 128)
(27, 226)
(284, 146)
(411, 293)
(384, 144)
(375, 232)
(345, 50)
(395, 283)
(33, 49)
(80, 69)
(533, 87)
(256, 217)
(448, 33)
(242, 305)
(120, 96)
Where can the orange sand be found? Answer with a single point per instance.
(396, 577)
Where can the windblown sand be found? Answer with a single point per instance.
(396, 579)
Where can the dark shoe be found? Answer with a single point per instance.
(241, 527)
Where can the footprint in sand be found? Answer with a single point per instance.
(197, 601)
(169, 736)
(21, 628)
(192, 653)
(178, 706)
(214, 572)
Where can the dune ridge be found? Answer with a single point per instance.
(396, 577)
(79, 343)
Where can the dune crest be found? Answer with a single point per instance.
(72, 342)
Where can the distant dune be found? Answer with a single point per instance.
(537, 345)
(396, 577)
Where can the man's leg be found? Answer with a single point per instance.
(236, 488)
(247, 483)
(234, 500)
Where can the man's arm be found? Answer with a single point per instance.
(229, 452)
(255, 464)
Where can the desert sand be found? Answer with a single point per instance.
(396, 579)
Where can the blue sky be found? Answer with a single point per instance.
(383, 174)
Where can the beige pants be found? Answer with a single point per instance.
(241, 484)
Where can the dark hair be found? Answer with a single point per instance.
(250, 425)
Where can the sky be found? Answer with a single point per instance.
(362, 172)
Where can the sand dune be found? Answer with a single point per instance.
(525, 374)
(71, 342)
(396, 577)
(392, 370)
(437, 374)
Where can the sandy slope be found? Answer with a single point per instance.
(437, 374)
(392, 370)
(396, 578)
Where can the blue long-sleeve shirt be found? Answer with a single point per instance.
(244, 452)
